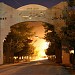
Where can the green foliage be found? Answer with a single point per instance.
(69, 34)
(51, 50)
(18, 39)
(51, 36)
(47, 27)
(71, 3)
(22, 30)
(69, 30)
(29, 50)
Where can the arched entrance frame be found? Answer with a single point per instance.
(15, 16)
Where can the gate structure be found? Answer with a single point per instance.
(32, 12)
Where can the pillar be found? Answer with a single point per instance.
(1, 50)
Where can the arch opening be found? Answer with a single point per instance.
(28, 13)
(37, 41)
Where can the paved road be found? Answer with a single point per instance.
(34, 68)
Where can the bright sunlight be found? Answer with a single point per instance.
(41, 45)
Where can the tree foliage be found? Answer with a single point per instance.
(71, 3)
(51, 49)
(69, 30)
(19, 38)
(51, 36)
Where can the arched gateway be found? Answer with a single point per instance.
(31, 12)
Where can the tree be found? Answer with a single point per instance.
(51, 36)
(69, 30)
(18, 38)
(50, 50)
(71, 3)
(8, 50)
(21, 34)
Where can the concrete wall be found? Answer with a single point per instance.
(57, 12)
(65, 58)
(6, 20)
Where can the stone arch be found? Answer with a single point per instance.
(15, 16)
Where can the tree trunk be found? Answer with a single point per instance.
(7, 57)
(12, 56)
(58, 53)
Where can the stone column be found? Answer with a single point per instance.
(1, 51)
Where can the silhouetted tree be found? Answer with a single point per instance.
(69, 30)
(18, 39)
(51, 36)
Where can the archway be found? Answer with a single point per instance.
(38, 41)
(25, 15)
(19, 16)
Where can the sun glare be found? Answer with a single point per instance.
(41, 45)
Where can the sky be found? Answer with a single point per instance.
(19, 3)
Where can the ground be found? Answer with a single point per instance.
(44, 67)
